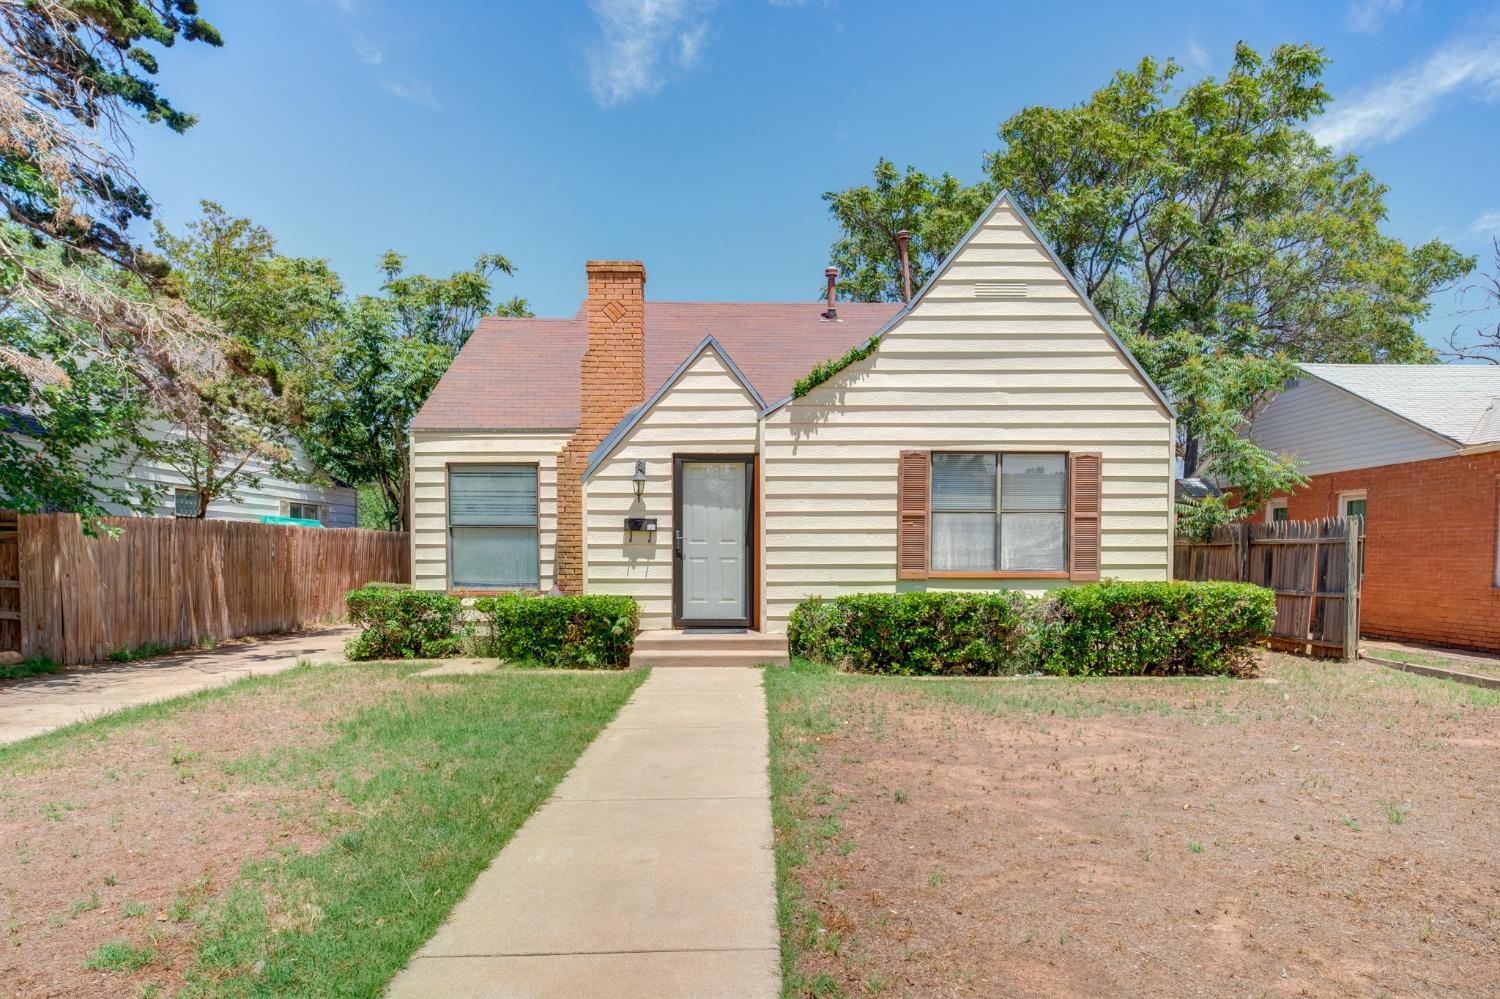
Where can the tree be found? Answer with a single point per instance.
(263, 312)
(87, 334)
(1480, 343)
(1206, 224)
(377, 368)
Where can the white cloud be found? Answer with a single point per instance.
(1369, 15)
(1197, 56)
(368, 51)
(1401, 103)
(415, 92)
(1487, 224)
(643, 44)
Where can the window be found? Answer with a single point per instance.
(1005, 512)
(493, 543)
(1276, 511)
(305, 511)
(185, 503)
(1352, 504)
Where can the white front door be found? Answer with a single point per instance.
(712, 541)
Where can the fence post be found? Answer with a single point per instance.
(1354, 535)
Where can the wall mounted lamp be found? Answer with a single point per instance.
(639, 478)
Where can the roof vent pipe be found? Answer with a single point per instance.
(902, 238)
(832, 274)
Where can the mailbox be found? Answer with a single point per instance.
(633, 524)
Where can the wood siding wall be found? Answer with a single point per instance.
(1328, 430)
(961, 372)
(431, 454)
(706, 411)
(174, 582)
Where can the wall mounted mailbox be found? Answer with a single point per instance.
(634, 524)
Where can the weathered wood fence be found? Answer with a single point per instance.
(1313, 565)
(176, 582)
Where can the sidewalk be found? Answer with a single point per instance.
(648, 873)
(39, 704)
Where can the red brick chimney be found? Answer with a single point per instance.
(612, 381)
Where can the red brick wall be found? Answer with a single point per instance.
(613, 382)
(1429, 546)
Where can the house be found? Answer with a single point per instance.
(275, 497)
(990, 433)
(1415, 450)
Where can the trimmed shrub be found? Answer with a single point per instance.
(402, 623)
(1109, 628)
(593, 631)
(914, 633)
(1155, 629)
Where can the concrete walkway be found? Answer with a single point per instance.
(648, 873)
(39, 704)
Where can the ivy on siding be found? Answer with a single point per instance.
(824, 370)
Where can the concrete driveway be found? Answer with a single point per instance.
(39, 704)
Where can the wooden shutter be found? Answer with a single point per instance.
(1085, 486)
(913, 495)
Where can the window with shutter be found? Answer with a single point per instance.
(1086, 474)
(913, 489)
(493, 538)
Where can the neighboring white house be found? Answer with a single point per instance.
(332, 506)
(997, 435)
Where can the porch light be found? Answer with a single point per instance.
(639, 478)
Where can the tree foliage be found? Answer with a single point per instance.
(1213, 232)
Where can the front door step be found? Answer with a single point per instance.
(678, 648)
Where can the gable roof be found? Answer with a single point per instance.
(622, 429)
(1004, 198)
(522, 374)
(1458, 402)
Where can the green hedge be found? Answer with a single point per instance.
(591, 631)
(1157, 629)
(1097, 629)
(913, 633)
(401, 623)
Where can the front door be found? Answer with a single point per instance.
(711, 537)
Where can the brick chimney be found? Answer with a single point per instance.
(612, 381)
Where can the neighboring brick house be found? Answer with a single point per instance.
(1415, 449)
(994, 433)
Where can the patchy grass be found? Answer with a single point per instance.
(35, 666)
(300, 834)
(1459, 664)
(1021, 836)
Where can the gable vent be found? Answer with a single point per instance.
(1000, 289)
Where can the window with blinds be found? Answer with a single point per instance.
(493, 537)
(1005, 512)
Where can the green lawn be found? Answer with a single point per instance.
(357, 807)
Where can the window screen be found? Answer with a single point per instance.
(493, 541)
(1005, 512)
(185, 503)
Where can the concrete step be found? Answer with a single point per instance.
(711, 657)
(674, 641)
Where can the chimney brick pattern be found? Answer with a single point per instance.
(612, 382)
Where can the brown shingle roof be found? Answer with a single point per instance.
(522, 374)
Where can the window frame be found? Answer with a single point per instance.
(1354, 494)
(1276, 504)
(319, 507)
(536, 470)
(1066, 513)
(177, 493)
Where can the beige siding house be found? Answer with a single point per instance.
(997, 435)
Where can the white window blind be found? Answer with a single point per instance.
(493, 536)
(1005, 512)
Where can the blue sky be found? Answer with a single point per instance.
(699, 136)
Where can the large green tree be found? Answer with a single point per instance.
(1216, 236)
(88, 345)
(374, 371)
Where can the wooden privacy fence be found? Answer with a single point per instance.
(176, 582)
(1313, 565)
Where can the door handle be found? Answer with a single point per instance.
(677, 544)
